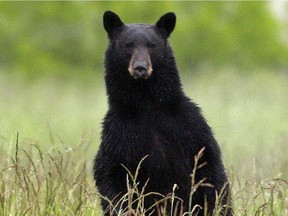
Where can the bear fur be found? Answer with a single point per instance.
(150, 116)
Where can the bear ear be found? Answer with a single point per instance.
(166, 24)
(111, 22)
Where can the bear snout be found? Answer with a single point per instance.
(140, 65)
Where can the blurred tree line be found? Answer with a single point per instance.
(64, 38)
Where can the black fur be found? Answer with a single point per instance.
(153, 117)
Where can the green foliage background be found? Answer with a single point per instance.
(67, 38)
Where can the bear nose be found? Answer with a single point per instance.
(140, 71)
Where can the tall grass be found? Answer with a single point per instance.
(54, 182)
(59, 182)
(47, 168)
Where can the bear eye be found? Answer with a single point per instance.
(129, 45)
(151, 45)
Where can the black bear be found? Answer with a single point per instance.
(150, 117)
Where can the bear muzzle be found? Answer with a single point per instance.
(140, 66)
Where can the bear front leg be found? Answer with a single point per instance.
(111, 193)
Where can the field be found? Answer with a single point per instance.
(50, 132)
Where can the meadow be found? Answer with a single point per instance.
(50, 132)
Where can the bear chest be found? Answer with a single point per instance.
(155, 140)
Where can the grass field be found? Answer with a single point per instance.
(47, 168)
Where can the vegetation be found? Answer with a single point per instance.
(233, 63)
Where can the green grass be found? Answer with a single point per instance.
(50, 170)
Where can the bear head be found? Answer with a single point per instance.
(138, 49)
